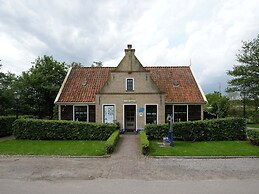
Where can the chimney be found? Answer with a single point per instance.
(129, 49)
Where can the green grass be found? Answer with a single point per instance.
(208, 148)
(43, 147)
(253, 125)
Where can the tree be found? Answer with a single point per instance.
(246, 74)
(218, 104)
(75, 64)
(40, 85)
(7, 81)
(97, 64)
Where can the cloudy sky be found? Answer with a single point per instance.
(164, 32)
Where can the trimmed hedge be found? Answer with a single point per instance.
(253, 136)
(144, 143)
(61, 130)
(6, 123)
(112, 141)
(207, 130)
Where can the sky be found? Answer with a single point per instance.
(206, 34)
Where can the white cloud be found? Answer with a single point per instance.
(166, 32)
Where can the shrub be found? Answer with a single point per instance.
(144, 143)
(61, 130)
(6, 123)
(112, 141)
(253, 136)
(207, 130)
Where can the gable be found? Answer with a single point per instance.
(130, 62)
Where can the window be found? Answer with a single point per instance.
(151, 114)
(67, 112)
(129, 84)
(80, 113)
(168, 111)
(108, 114)
(91, 113)
(194, 112)
(180, 113)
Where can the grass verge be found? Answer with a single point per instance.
(60, 148)
(207, 148)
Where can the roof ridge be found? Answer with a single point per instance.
(183, 66)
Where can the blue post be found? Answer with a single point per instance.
(170, 130)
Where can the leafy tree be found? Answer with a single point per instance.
(40, 85)
(75, 64)
(7, 81)
(97, 64)
(246, 74)
(218, 104)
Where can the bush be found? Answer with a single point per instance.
(112, 141)
(207, 130)
(144, 143)
(6, 123)
(61, 130)
(253, 136)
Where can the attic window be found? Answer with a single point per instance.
(84, 83)
(176, 83)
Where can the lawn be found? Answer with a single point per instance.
(208, 148)
(43, 147)
(253, 125)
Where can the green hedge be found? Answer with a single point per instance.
(207, 130)
(253, 136)
(6, 123)
(112, 141)
(144, 143)
(61, 130)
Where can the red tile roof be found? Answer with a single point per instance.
(83, 83)
(94, 78)
(185, 89)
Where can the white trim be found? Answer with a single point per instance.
(109, 105)
(202, 93)
(75, 103)
(126, 86)
(145, 112)
(136, 114)
(62, 86)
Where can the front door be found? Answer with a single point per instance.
(130, 117)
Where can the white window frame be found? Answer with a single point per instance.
(146, 112)
(126, 84)
(103, 111)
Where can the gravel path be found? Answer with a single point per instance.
(127, 163)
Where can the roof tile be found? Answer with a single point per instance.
(84, 82)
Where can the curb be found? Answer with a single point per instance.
(201, 157)
(51, 156)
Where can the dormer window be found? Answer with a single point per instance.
(129, 84)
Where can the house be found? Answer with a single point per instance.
(130, 94)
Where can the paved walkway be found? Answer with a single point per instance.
(126, 161)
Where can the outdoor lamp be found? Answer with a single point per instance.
(17, 98)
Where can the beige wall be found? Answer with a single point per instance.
(142, 83)
(140, 100)
(145, 93)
